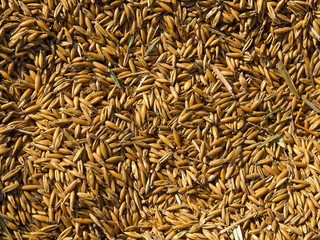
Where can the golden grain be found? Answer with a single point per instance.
(159, 119)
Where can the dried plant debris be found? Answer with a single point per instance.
(222, 78)
(310, 104)
(284, 73)
(159, 119)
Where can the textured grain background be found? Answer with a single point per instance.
(159, 119)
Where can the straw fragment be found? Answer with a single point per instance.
(222, 78)
(284, 73)
(310, 104)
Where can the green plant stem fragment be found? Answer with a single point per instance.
(130, 43)
(270, 139)
(152, 46)
(114, 78)
(147, 185)
(5, 229)
(272, 112)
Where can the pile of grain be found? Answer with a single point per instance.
(159, 119)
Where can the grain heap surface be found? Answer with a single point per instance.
(159, 119)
